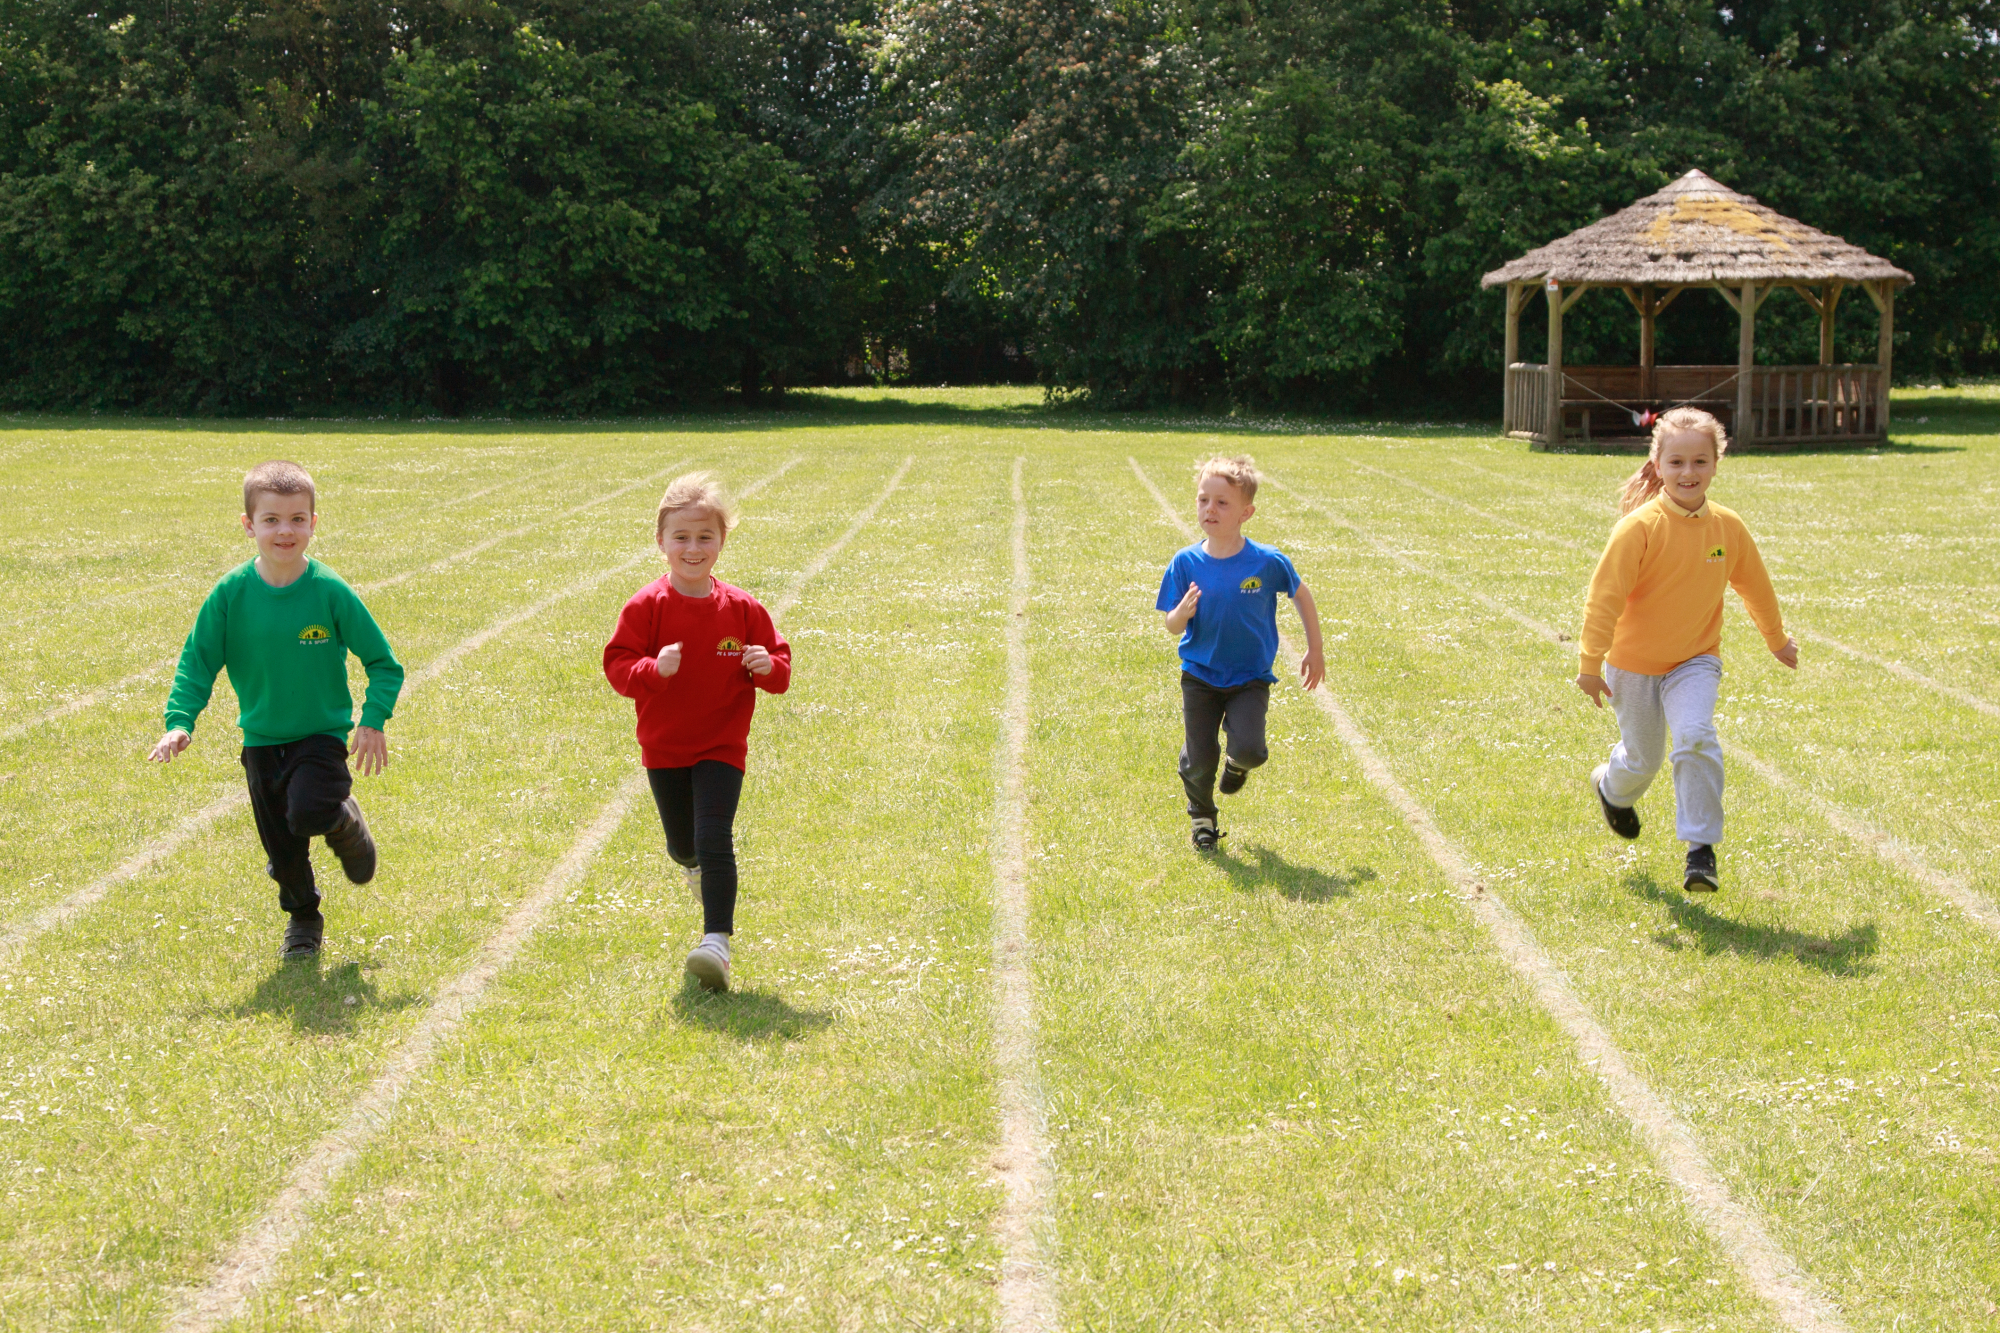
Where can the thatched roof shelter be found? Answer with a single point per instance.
(1699, 233)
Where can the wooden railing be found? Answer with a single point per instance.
(1816, 403)
(1787, 403)
(1527, 404)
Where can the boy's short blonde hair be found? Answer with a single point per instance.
(695, 490)
(1240, 472)
(278, 477)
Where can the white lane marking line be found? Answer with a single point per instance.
(1965, 697)
(1736, 1228)
(820, 561)
(1023, 1165)
(12, 937)
(83, 701)
(1982, 910)
(256, 1253)
(1493, 604)
(22, 728)
(1915, 677)
(489, 543)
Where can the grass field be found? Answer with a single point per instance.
(1310, 1083)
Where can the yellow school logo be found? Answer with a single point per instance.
(315, 634)
(1252, 584)
(1715, 553)
(730, 644)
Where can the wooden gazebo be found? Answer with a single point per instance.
(1698, 233)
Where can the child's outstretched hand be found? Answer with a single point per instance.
(1789, 654)
(757, 660)
(1595, 688)
(170, 745)
(1312, 669)
(669, 660)
(371, 751)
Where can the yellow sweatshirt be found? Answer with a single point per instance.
(1656, 598)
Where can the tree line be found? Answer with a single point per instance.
(571, 206)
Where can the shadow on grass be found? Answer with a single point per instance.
(324, 1003)
(1260, 868)
(1843, 955)
(747, 1015)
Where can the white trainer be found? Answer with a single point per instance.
(709, 962)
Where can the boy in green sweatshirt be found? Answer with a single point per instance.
(283, 625)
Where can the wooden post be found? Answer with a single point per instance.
(1646, 312)
(1746, 362)
(1829, 298)
(1554, 423)
(1512, 354)
(1885, 347)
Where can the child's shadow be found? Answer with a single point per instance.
(319, 1002)
(1843, 955)
(747, 1015)
(1259, 867)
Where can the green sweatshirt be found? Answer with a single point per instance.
(286, 650)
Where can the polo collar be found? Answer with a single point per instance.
(1675, 508)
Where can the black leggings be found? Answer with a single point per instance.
(698, 811)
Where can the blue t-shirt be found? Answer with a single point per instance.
(1233, 637)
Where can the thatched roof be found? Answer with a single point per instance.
(1696, 231)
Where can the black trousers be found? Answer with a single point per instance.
(296, 790)
(1239, 713)
(698, 811)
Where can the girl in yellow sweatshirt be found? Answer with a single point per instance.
(1652, 633)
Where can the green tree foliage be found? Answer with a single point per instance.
(561, 205)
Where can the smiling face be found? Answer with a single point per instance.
(1221, 510)
(1686, 464)
(283, 527)
(692, 541)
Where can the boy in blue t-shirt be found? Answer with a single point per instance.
(1221, 597)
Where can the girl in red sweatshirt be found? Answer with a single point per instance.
(691, 651)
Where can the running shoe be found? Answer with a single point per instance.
(1622, 819)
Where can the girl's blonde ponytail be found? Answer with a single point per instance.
(1644, 484)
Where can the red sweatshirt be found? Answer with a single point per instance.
(703, 710)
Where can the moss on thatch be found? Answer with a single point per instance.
(1697, 231)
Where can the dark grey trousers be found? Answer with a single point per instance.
(1237, 712)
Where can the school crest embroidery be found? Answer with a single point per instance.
(315, 634)
(731, 646)
(1252, 584)
(1715, 553)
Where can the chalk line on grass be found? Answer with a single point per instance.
(1915, 677)
(1023, 1164)
(489, 543)
(257, 1252)
(62, 710)
(819, 562)
(255, 1256)
(1384, 549)
(1736, 1228)
(83, 701)
(13, 936)
(1983, 911)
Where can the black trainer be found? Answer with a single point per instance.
(1701, 876)
(1232, 779)
(1622, 819)
(302, 939)
(352, 843)
(1205, 836)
